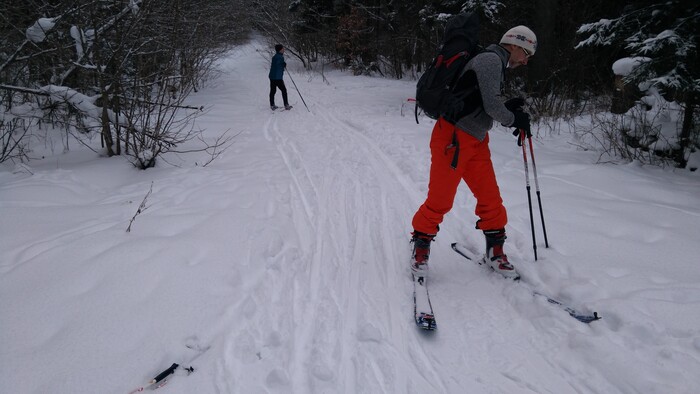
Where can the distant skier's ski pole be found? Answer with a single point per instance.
(295, 87)
(537, 190)
(529, 196)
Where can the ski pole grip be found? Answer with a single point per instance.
(165, 373)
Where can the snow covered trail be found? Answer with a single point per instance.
(282, 266)
(345, 213)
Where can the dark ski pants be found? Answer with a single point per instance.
(274, 84)
(474, 168)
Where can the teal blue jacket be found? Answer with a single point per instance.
(277, 67)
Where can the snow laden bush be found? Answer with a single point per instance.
(648, 133)
(652, 126)
(662, 41)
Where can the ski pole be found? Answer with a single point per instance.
(156, 382)
(529, 197)
(160, 380)
(537, 191)
(295, 87)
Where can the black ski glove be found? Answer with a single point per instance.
(515, 104)
(522, 121)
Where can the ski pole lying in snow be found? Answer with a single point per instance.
(529, 196)
(295, 87)
(160, 380)
(537, 191)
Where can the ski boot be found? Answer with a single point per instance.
(421, 253)
(495, 258)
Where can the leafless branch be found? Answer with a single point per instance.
(142, 207)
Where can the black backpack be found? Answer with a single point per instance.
(435, 93)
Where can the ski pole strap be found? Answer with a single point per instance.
(454, 144)
(415, 112)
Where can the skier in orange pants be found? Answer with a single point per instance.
(459, 150)
(474, 167)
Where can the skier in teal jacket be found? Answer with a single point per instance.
(276, 74)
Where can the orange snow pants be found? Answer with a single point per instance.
(474, 167)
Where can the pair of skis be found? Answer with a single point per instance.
(423, 309)
(279, 109)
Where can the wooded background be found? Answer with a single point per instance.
(136, 60)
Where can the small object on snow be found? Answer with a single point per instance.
(161, 379)
(142, 208)
(165, 373)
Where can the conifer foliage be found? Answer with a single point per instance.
(662, 37)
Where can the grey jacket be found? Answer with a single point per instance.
(489, 67)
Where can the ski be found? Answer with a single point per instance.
(279, 109)
(580, 316)
(422, 308)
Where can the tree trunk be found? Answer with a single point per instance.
(684, 138)
(544, 25)
(106, 128)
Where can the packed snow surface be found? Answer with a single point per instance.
(282, 266)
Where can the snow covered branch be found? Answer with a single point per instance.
(130, 9)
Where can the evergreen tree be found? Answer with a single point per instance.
(664, 35)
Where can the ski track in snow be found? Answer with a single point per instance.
(283, 266)
(341, 310)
